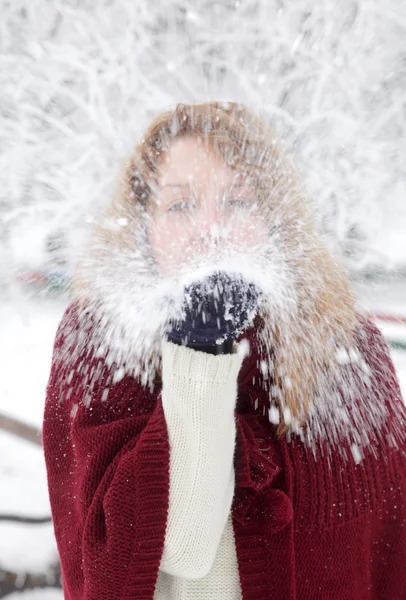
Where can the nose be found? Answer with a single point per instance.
(210, 234)
(210, 219)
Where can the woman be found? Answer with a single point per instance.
(221, 421)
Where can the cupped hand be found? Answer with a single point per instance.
(215, 311)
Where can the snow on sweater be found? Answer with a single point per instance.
(305, 528)
(199, 393)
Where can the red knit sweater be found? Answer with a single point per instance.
(306, 528)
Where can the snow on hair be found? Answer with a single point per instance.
(309, 310)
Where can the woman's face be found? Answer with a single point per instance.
(202, 210)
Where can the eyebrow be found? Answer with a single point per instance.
(185, 185)
(181, 185)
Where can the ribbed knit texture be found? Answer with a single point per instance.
(199, 394)
(221, 582)
(303, 529)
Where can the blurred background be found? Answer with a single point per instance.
(81, 80)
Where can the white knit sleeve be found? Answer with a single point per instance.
(199, 393)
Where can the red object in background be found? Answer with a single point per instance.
(387, 318)
(32, 278)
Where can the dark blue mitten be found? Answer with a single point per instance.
(215, 310)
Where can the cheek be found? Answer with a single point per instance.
(248, 231)
(168, 239)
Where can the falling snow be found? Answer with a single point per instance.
(75, 98)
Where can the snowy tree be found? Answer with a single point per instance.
(81, 80)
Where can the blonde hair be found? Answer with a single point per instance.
(248, 143)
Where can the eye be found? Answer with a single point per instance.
(239, 202)
(180, 206)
